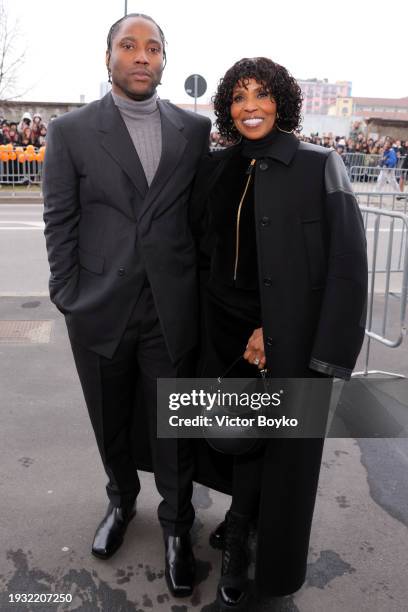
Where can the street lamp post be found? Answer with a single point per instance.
(125, 7)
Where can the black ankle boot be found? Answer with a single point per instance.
(232, 593)
(217, 536)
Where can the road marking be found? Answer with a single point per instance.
(372, 229)
(31, 294)
(21, 228)
(19, 208)
(22, 225)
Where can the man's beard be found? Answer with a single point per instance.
(138, 97)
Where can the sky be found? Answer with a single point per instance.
(354, 40)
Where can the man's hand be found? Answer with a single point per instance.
(255, 353)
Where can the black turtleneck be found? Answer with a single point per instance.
(258, 148)
(243, 290)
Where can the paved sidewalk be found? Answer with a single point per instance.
(52, 497)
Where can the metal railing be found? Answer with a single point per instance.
(365, 159)
(360, 159)
(377, 175)
(13, 173)
(385, 200)
(20, 167)
(387, 245)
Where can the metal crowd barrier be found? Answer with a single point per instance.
(365, 159)
(364, 200)
(351, 160)
(360, 159)
(387, 246)
(20, 167)
(14, 173)
(370, 174)
(388, 200)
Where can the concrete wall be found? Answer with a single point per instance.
(14, 110)
(398, 132)
(339, 126)
(202, 109)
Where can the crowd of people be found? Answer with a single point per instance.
(385, 152)
(29, 131)
(354, 143)
(358, 143)
(33, 130)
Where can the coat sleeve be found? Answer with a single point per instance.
(61, 217)
(206, 143)
(341, 326)
(197, 203)
(205, 178)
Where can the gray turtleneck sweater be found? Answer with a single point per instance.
(142, 119)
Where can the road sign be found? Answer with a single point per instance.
(195, 86)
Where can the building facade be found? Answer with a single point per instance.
(13, 110)
(320, 95)
(362, 108)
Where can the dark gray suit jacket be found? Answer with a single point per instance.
(106, 230)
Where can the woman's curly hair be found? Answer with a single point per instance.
(277, 82)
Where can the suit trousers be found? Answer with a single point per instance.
(114, 389)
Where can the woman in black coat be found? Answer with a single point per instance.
(286, 289)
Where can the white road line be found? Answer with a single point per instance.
(25, 295)
(22, 225)
(34, 229)
(19, 208)
(396, 230)
(26, 222)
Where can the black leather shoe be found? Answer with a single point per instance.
(111, 531)
(180, 565)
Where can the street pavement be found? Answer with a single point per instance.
(52, 482)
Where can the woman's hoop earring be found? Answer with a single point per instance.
(286, 131)
(280, 129)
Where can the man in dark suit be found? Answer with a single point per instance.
(117, 181)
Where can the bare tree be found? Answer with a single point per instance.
(11, 56)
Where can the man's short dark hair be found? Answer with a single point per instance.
(114, 28)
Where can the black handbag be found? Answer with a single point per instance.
(240, 440)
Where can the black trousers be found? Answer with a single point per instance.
(114, 389)
(231, 316)
(279, 481)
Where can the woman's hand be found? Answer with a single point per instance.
(255, 353)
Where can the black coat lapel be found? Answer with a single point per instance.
(173, 145)
(117, 142)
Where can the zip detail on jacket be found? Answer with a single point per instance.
(249, 172)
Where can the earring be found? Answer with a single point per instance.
(109, 77)
(280, 129)
(286, 131)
